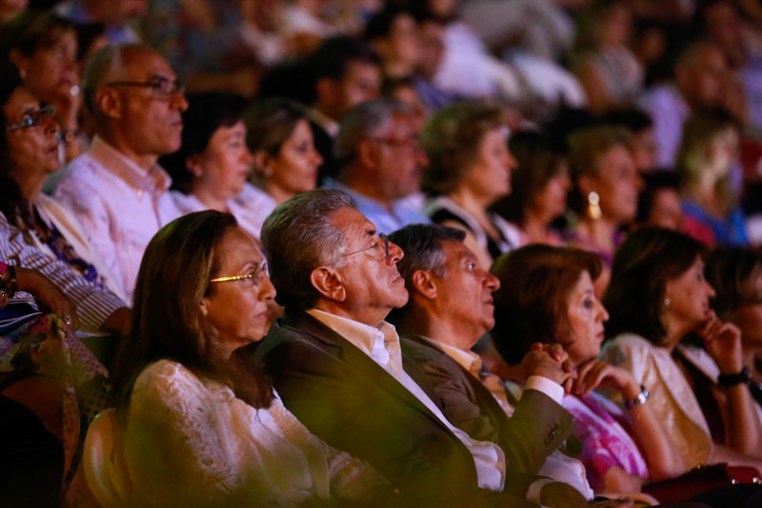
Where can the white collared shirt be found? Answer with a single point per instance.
(382, 346)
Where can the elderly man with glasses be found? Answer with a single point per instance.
(337, 364)
(117, 190)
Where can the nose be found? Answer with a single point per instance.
(266, 289)
(179, 102)
(510, 161)
(710, 290)
(51, 125)
(602, 312)
(491, 282)
(395, 253)
(421, 159)
(317, 159)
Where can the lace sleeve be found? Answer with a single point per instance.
(175, 441)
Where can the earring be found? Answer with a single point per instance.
(22, 74)
(666, 303)
(593, 205)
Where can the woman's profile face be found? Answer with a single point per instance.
(748, 315)
(31, 135)
(295, 167)
(551, 198)
(490, 173)
(238, 309)
(687, 297)
(618, 185)
(51, 71)
(224, 165)
(586, 316)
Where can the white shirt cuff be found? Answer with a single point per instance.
(550, 388)
(534, 492)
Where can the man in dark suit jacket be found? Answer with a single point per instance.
(337, 365)
(449, 310)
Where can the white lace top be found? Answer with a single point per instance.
(190, 442)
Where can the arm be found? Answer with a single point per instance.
(744, 431)
(662, 458)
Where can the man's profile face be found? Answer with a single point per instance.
(373, 284)
(400, 157)
(149, 120)
(361, 82)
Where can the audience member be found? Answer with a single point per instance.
(195, 427)
(28, 155)
(469, 170)
(449, 309)
(657, 295)
(641, 128)
(380, 161)
(707, 162)
(659, 202)
(337, 364)
(279, 135)
(539, 186)
(44, 48)
(211, 168)
(117, 190)
(393, 32)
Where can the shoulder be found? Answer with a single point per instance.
(164, 378)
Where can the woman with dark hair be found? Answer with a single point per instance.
(540, 184)
(469, 170)
(29, 143)
(659, 202)
(198, 428)
(657, 295)
(546, 295)
(736, 275)
(44, 48)
(279, 136)
(211, 168)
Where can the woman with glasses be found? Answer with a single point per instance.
(198, 428)
(29, 153)
(44, 48)
(469, 170)
(211, 169)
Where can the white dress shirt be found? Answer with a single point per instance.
(382, 345)
(119, 205)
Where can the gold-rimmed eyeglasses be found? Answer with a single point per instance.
(254, 276)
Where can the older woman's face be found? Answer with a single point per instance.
(295, 167)
(33, 150)
(490, 174)
(687, 297)
(239, 309)
(586, 316)
(222, 169)
(618, 184)
(550, 200)
(51, 71)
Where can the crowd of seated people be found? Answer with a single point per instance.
(380, 252)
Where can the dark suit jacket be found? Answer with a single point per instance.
(353, 404)
(538, 426)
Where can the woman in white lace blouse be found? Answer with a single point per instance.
(198, 428)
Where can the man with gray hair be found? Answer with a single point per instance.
(117, 190)
(338, 367)
(380, 160)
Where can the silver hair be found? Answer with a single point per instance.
(422, 245)
(103, 66)
(300, 235)
(362, 122)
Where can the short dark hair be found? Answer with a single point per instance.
(655, 181)
(300, 235)
(532, 301)
(332, 58)
(206, 113)
(31, 30)
(729, 270)
(11, 198)
(644, 263)
(422, 245)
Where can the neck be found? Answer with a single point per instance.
(210, 199)
(30, 185)
(354, 179)
(536, 226)
(423, 322)
(470, 201)
(278, 193)
(675, 330)
(118, 142)
(370, 317)
(600, 232)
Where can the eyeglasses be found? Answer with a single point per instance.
(32, 118)
(382, 243)
(255, 276)
(162, 88)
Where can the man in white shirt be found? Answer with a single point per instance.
(338, 367)
(117, 190)
(450, 308)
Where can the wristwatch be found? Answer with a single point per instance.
(728, 380)
(639, 400)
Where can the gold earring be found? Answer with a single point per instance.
(593, 205)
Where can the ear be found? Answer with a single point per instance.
(109, 103)
(19, 60)
(328, 283)
(261, 160)
(204, 306)
(194, 165)
(367, 154)
(424, 283)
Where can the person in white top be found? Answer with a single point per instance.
(210, 169)
(338, 367)
(195, 427)
(117, 190)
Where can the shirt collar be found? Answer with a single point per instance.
(155, 181)
(363, 336)
(466, 359)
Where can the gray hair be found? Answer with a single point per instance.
(300, 235)
(422, 245)
(103, 65)
(363, 122)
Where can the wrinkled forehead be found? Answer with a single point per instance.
(141, 64)
(352, 224)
